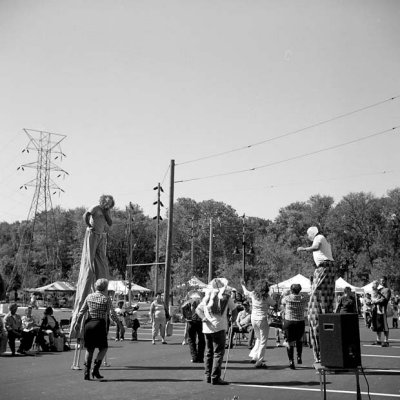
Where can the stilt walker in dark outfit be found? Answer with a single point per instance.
(323, 286)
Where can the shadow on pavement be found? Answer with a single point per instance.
(149, 380)
(153, 368)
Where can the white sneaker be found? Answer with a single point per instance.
(153, 342)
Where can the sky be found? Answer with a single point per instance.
(259, 103)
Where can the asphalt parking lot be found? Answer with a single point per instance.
(140, 370)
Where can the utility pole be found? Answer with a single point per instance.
(158, 217)
(210, 253)
(243, 249)
(168, 256)
(192, 246)
(48, 148)
(130, 252)
(237, 251)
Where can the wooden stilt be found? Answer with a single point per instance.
(77, 356)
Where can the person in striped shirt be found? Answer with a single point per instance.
(294, 305)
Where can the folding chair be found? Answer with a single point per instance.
(65, 325)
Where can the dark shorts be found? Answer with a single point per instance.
(95, 334)
(379, 323)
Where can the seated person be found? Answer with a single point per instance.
(29, 326)
(13, 325)
(243, 322)
(50, 327)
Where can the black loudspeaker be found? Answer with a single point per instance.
(339, 337)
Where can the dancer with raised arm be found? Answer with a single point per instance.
(261, 304)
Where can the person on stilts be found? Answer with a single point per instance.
(323, 285)
(94, 264)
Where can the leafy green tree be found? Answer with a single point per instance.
(356, 223)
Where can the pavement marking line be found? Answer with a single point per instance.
(382, 370)
(378, 355)
(318, 390)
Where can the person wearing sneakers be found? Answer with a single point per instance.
(158, 318)
(294, 305)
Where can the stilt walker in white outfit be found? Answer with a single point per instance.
(94, 263)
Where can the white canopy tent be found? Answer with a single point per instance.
(285, 285)
(340, 284)
(57, 286)
(122, 287)
(137, 288)
(193, 282)
(368, 288)
(305, 283)
(118, 287)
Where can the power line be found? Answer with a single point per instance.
(291, 158)
(165, 175)
(290, 133)
(328, 179)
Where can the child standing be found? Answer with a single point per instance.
(132, 321)
(395, 323)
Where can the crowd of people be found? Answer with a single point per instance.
(215, 317)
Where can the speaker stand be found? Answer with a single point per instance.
(322, 371)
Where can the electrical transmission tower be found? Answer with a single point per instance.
(39, 231)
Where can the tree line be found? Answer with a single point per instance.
(362, 228)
